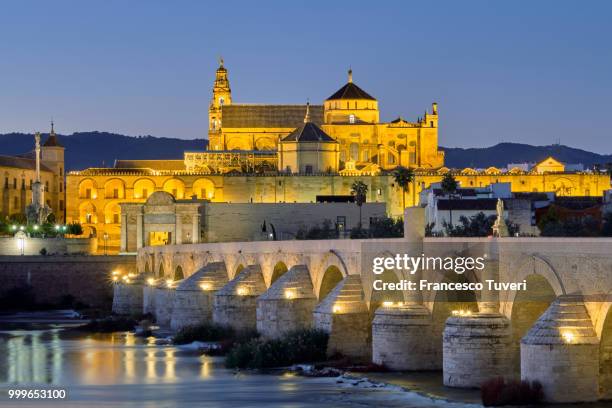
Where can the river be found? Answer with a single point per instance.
(120, 369)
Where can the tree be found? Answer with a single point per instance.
(449, 186)
(359, 189)
(403, 177)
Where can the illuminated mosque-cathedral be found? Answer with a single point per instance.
(259, 153)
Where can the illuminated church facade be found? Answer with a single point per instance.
(260, 153)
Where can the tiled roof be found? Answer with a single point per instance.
(150, 164)
(308, 132)
(21, 163)
(52, 141)
(271, 116)
(351, 91)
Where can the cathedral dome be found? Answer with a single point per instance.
(350, 91)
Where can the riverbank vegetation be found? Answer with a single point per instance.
(499, 392)
(300, 346)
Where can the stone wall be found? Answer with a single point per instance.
(86, 278)
(59, 246)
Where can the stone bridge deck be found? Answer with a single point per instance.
(474, 335)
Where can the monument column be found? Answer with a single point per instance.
(124, 232)
(195, 229)
(178, 238)
(139, 228)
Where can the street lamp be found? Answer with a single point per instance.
(105, 236)
(21, 237)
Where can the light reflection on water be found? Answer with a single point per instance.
(121, 369)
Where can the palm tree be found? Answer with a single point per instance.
(449, 186)
(359, 189)
(403, 177)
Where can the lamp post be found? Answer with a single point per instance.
(105, 236)
(21, 237)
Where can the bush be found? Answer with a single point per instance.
(75, 229)
(203, 332)
(299, 346)
(498, 392)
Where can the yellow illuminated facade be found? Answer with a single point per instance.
(281, 153)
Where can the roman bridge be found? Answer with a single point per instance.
(558, 331)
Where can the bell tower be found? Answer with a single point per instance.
(222, 95)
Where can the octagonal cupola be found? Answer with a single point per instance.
(351, 105)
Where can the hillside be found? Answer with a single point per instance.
(97, 149)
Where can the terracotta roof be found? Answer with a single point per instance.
(308, 132)
(351, 91)
(150, 164)
(21, 163)
(272, 116)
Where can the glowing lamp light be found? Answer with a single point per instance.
(169, 283)
(35, 227)
(132, 275)
(568, 337)
(21, 228)
(242, 291)
(115, 273)
(290, 294)
(14, 227)
(387, 304)
(125, 278)
(150, 281)
(205, 286)
(115, 278)
(337, 309)
(57, 227)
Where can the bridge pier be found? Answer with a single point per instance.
(148, 298)
(164, 299)
(235, 305)
(287, 305)
(344, 315)
(127, 298)
(193, 300)
(402, 338)
(561, 351)
(476, 348)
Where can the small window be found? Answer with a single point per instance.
(145, 193)
(341, 223)
(61, 171)
(14, 183)
(431, 124)
(23, 184)
(351, 118)
(115, 193)
(46, 186)
(88, 193)
(115, 218)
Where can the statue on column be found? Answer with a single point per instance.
(500, 228)
(38, 211)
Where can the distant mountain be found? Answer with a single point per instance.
(503, 153)
(97, 149)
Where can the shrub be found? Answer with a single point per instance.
(299, 346)
(43, 251)
(498, 392)
(203, 332)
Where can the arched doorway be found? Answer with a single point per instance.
(331, 278)
(279, 270)
(161, 272)
(178, 273)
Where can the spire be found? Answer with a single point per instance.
(220, 62)
(350, 75)
(307, 117)
(52, 129)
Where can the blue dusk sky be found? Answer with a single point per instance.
(522, 71)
